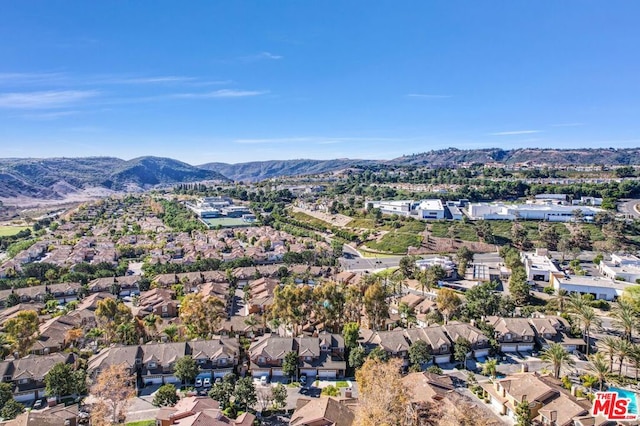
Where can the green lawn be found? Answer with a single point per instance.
(6, 231)
(596, 233)
(362, 223)
(463, 231)
(342, 384)
(395, 242)
(303, 217)
(142, 423)
(413, 226)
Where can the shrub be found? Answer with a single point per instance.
(549, 290)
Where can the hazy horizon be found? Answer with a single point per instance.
(248, 81)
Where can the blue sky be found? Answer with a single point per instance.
(236, 81)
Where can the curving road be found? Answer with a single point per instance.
(628, 207)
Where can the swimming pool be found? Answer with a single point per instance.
(624, 393)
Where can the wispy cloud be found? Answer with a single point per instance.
(147, 80)
(223, 93)
(262, 56)
(53, 115)
(567, 125)
(31, 78)
(427, 96)
(515, 132)
(45, 99)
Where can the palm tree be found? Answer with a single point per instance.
(489, 368)
(560, 298)
(588, 318)
(557, 356)
(599, 367)
(625, 317)
(251, 321)
(634, 356)
(609, 346)
(171, 332)
(624, 351)
(576, 302)
(150, 323)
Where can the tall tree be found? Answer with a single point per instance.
(186, 369)
(490, 368)
(63, 380)
(461, 349)
(376, 306)
(599, 367)
(114, 388)
(244, 393)
(382, 396)
(558, 357)
(22, 331)
(201, 316)
(448, 302)
(609, 346)
(165, 396)
(290, 364)
(111, 314)
(625, 316)
(523, 413)
(586, 315)
(419, 353)
(350, 333)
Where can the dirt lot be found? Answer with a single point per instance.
(338, 220)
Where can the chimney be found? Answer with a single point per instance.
(574, 390)
(524, 368)
(553, 416)
(524, 398)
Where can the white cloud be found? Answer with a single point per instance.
(223, 93)
(53, 115)
(427, 96)
(45, 99)
(260, 57)
(515, 132)
(31, 78)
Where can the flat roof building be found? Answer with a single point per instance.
(551, 213)
(538, 266)
(600, 288)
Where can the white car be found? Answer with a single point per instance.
(198, 382)
(264, 380)
(206, 382)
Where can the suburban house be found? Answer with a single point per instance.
(440, 345)
(53, 334)
(158, 360)
(323, 411)
(217, 357)
(260, 295)
(130, 356)
(321, 356)
(549, 402)
(159, 301)
(479, 342)
(199, 410)
(513, 334)
(553, 329)
(26, 375)
(267, 354)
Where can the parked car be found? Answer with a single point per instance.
(218, 380)
(264, 380)
(38, 404)
(580, 355)
(207, 382)
(303, 380)
(198, 382)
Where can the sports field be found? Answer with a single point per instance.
(226, 222)
(6, 231)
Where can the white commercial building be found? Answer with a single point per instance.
(621, 267)
(423, 209)
(551, 213)
(446, 263)
(538, 266)
(600, 288)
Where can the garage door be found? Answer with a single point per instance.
(259, 373)
(221, 373)
(24, 397)
(171, 379)
(481, 353)
(327, 374)
(525, 348)
(309, 372)
(153, 380)
(508, 348)
(277, 372)
(442, 359)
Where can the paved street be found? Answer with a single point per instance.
(627, 207)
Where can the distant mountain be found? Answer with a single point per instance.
(55, 178)
(552, 157)
(260, 170)
(151, 171)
